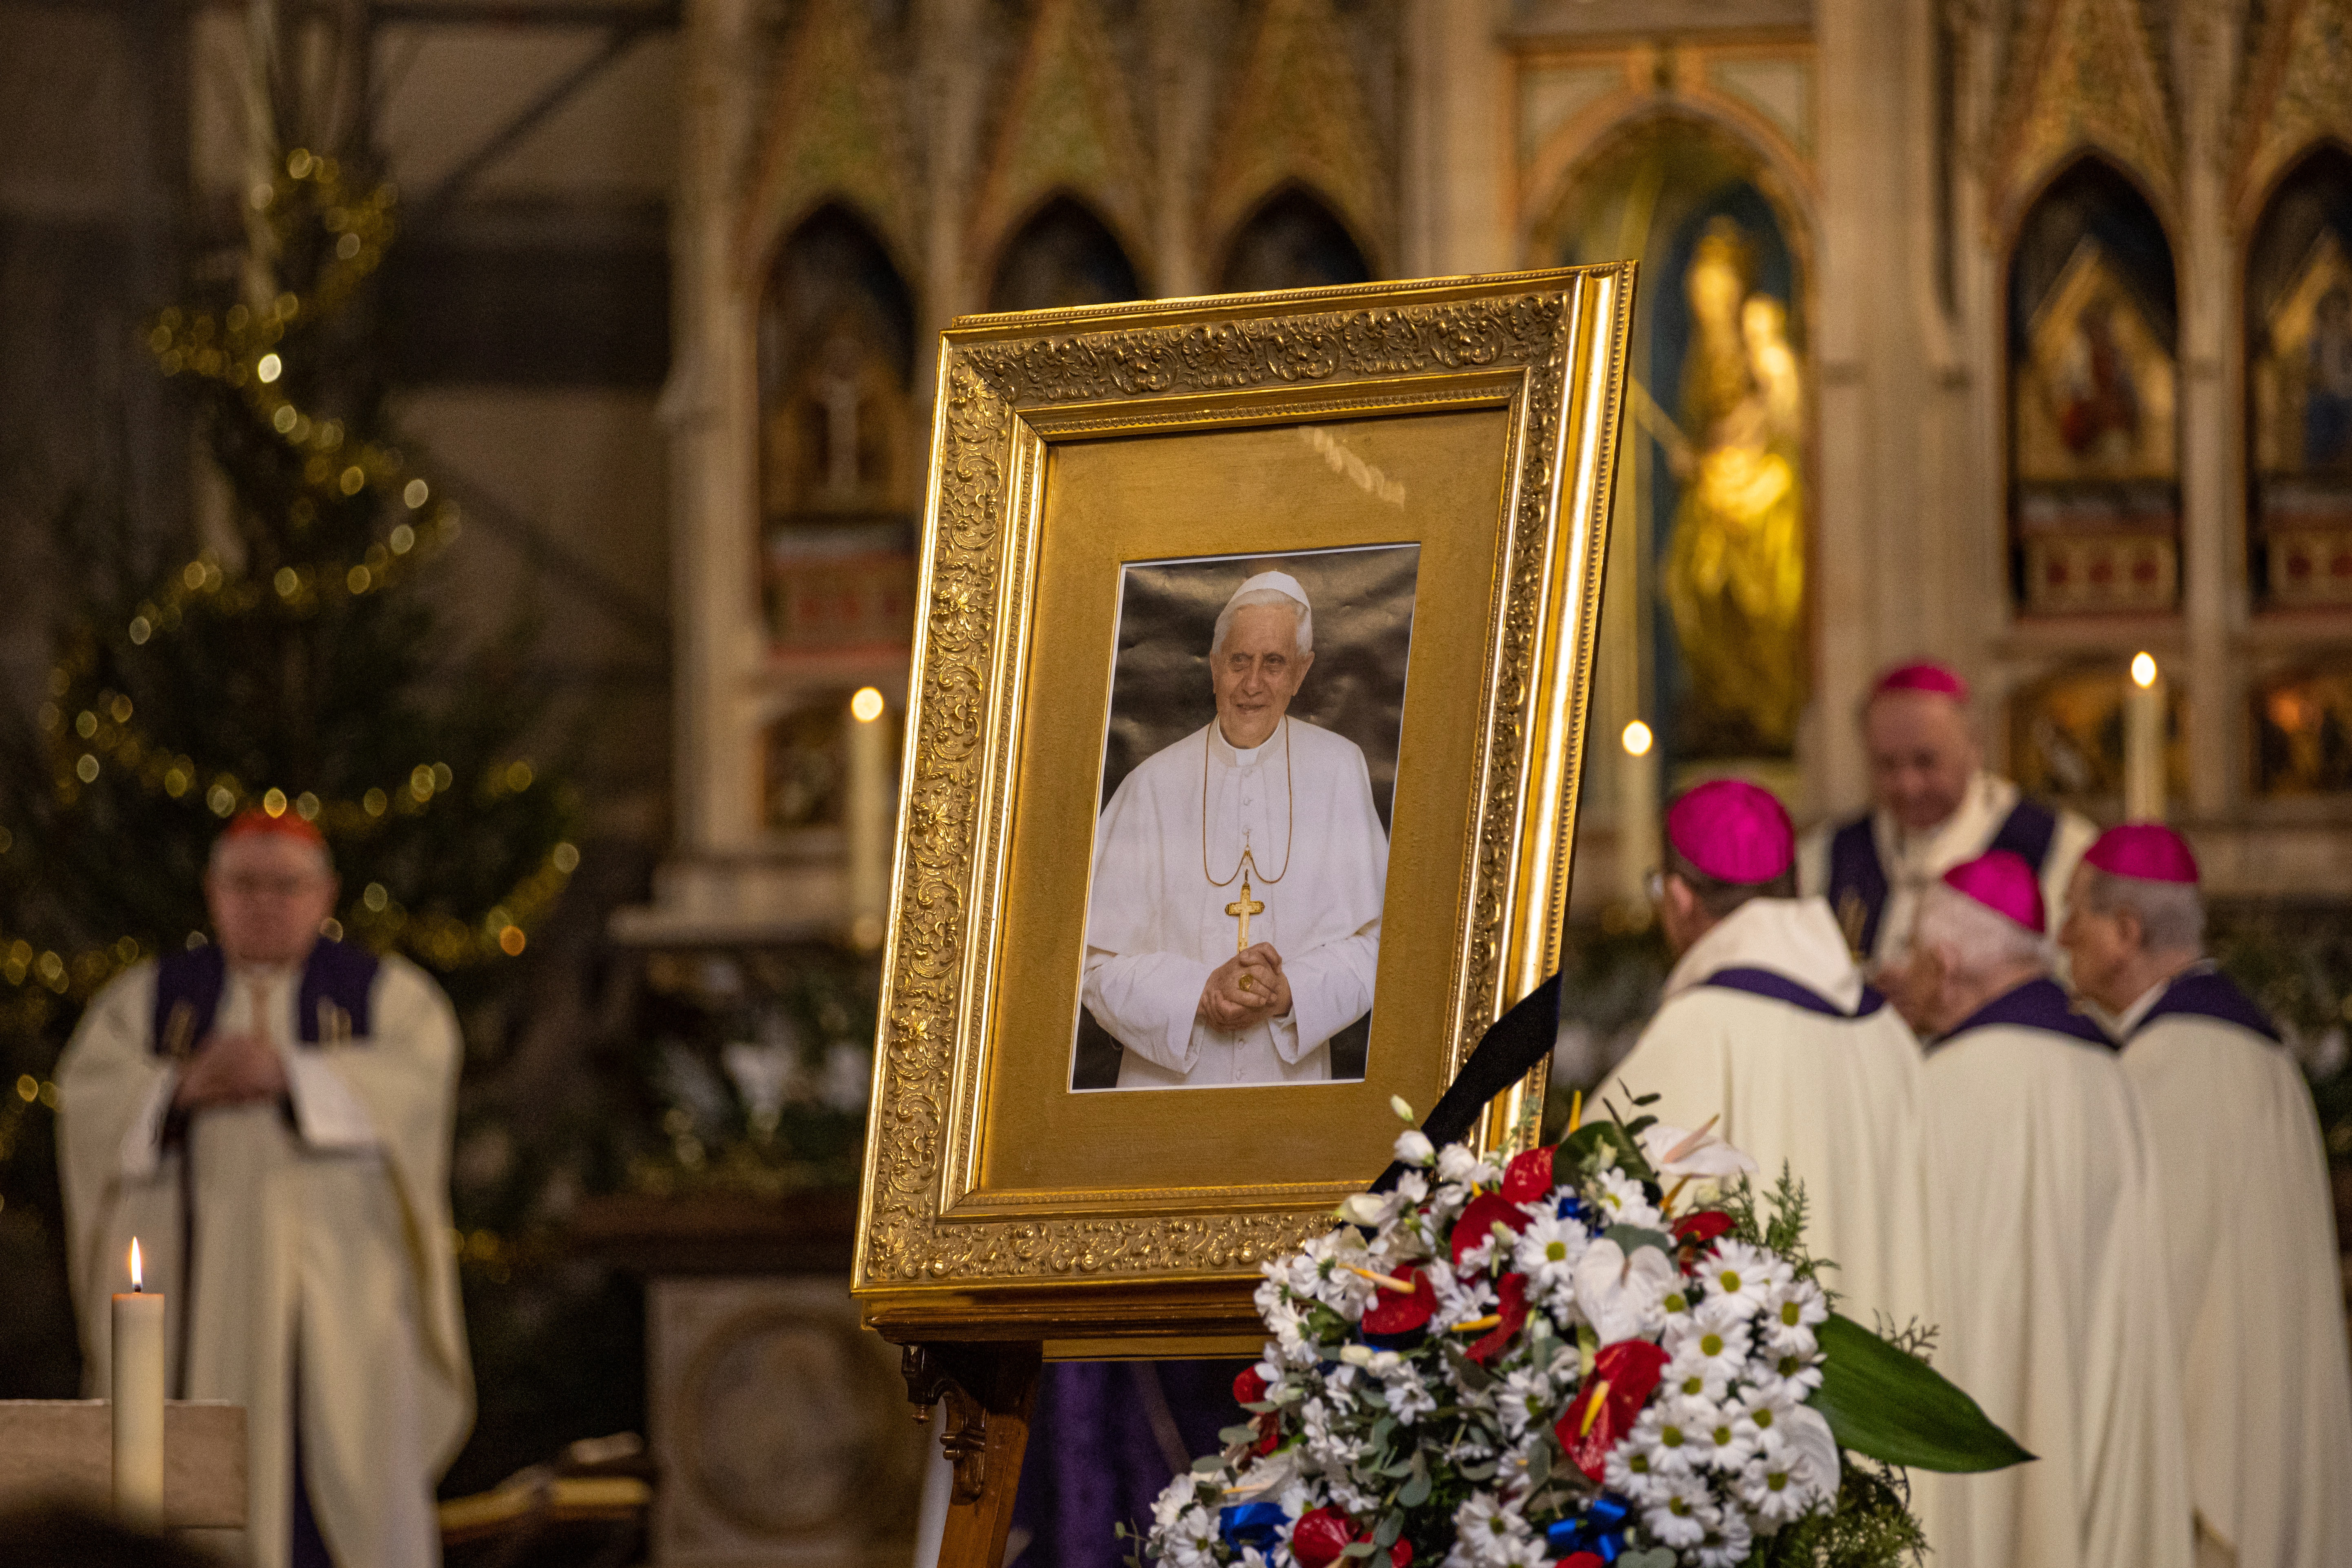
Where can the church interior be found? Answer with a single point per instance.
(2012, 335)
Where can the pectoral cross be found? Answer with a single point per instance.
(1242, 909)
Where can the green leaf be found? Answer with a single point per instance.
(1630, 1236)
(1245, 1432)
(1385, 1533)
(1357, 1549)
(1884, 1402)
(1603, 1143)
(1471, 1376)
(1208, 1464)
(1657, 1557)
(1416, 1491)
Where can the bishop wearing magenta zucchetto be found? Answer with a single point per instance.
(1933, 805)
(2255, 1293)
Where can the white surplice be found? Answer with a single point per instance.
(1913, 861)
(1836, 1098)
(2257, 1297)
(324, 1243)
(1157, 926)
(2049, 1258)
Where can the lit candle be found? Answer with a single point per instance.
(1637, 811)
(139, 1402)
(2144, 742)
(867, 818)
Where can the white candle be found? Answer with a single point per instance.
(1637, 811)
(2144, 742)
(867, 818)
(139, 1402)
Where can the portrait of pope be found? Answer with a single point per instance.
(1234, 925)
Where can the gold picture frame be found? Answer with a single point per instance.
(1473, 416)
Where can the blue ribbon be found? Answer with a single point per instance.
(1600, 1530)
(1571, 1207)
(1257, 1524)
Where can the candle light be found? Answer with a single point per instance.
(867, 818)
(1637, 811)
(139, 1402)
(2144, 742)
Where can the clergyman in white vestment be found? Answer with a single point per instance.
(1256, 822)
(2050, 1253)
(311, 1089)
(1933, 805)
(2257, 1299)
(1766, 1024)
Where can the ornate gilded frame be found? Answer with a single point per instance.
(1140, 1266)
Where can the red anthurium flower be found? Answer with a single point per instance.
(1401, 1554)
(1528, 1176)
(1513, 1315)
(1582, 1560)
(1700, 1227)
(1249, 1387)
(1319, 1538)
(1394, 1312)
(1604, 1410)
(1480, 1217)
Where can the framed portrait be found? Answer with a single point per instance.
(1252, 646)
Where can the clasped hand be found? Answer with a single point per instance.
(1229, 1004)
(231, 1069)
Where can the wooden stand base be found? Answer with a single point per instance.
(989, 1391)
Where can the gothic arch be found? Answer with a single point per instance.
(2296, 283)
(1062, 254)
(1293, 238)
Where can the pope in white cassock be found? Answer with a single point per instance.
(270, 1115)
(1766, 1024)
(2050, 1252)
(1933, 805)
(2256, 1297)
(1235, 921)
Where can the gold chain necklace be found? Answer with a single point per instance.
(1290, 821)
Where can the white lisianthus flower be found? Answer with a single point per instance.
(1682, 1513)
(1735, 1272)
(1413, 1148)
(1457, 1164)
(1620, 1295)
(1411, 1191)
(1677, 1152)
(1371, 1210)
(1622, 1201)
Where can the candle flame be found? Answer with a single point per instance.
(866, 706)
(135, 1284)
(2143, 670)
(1637, 738)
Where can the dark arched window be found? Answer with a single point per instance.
(1062, 256)
(2299, 388)
(2093, 444)
(1292, 241)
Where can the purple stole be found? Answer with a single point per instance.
(2209, 993)
(2036, 1004)
(1781, 988)
(1858, 885)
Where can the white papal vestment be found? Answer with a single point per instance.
(1822, 1084)
(1155, 920)
(325, 1242)
(2256, 1295)
(2050, 1264)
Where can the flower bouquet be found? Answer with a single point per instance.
(1552, 1362)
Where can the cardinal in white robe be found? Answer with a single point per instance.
(1933, 805)
(1235, 921)
(2048, 1251)
(270, 1116)
(1768, 1025)
(2256, 1295)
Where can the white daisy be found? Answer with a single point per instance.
(1410, 1398)
(1722, 1346)
(1790, 1315)
(1631, 1474)
(1527, 1400)
(1489, 1529)
(1622, 1201)
(1546, 1252)
(1737, 1271)
(1765, 1405)
(1694, 1376)
(1663, 1437)
(1770, 1489)
(1727, 1442)
(1796, 1372)
(1729, 1541)
(1681, 1514)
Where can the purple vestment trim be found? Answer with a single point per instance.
(2208, 994)
(2036, 1004)
(1781, 988)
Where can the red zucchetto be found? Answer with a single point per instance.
(2004, 883)
(2146, 851)
(1937, 679)
(1732, 830)
(251, 824)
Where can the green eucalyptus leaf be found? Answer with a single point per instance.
(1630, 1236)
(1882, 1401)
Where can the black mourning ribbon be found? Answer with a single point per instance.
(1505, 1054)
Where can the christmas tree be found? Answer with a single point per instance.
(295, 662)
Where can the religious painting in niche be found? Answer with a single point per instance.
(1714, 477)
(840, 447)
(2299, 352)
(2303, 734)
(1241, 856)
(1292, 241)
(2066, 738)
(2094, 469)
(1063, 256)
(802, 768)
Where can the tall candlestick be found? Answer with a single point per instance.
(2144, 742)
(1637, 811)
(867, 818)
(139, 1402)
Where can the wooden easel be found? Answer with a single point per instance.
(987, 1391)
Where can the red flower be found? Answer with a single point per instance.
(1319, 1538)
(1249, 1387)
(1583, 1560)
(1528, 1176)
(1480, 1217)
(1400, 1554)
(1604, 1410)
(1513, 1316)
(1398, 1312)
(1700, 1227)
